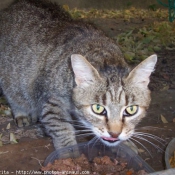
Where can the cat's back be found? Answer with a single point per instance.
(27, 27)
(32, 11)
(31, 19)
(39, 36)
(37, 39)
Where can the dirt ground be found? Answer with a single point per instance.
(31, 150)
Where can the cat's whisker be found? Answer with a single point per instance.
(84, 130)
(149, 128)
(81, 126)
(141, 138)
(141, 145)
(154, 138)
(158, 139)
(80, 131)
(147, 133)
(92, 140)
(95, 137)
(96, 140)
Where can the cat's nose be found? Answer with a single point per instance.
(114, 135)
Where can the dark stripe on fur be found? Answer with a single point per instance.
(111, 94)
(52, 103)
(49, 113)
(46, 123)
(68, 143)
(53, 125)
(104, 99)
(97, 98)
(119, 98)
(126, 100)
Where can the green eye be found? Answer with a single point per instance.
(98, 109)
(131, 110)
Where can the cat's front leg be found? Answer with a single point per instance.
(57, 123)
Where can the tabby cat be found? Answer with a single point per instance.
(55, 69)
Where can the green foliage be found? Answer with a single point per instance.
(152, 7)
(137, 44)
(128, 4)
(125, 14)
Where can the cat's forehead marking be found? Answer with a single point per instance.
(104, 98)
(114, 90)
(116, 95)
(114, 78)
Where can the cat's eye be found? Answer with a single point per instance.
(98, 109)
(130, 110)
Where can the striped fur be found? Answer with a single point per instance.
(53, 69)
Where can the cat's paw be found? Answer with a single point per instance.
(22, 121)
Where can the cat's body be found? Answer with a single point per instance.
(37, 43)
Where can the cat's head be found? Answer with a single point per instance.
(111, 108)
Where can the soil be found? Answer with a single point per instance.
(31, 149)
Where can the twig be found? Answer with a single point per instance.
(4, 152)
(39, 161)
(47, 146)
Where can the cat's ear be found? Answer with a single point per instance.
(141, 73)
(85, 73)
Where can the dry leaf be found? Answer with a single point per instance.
(164, 120)
(1, 144)
(66, 7)
(165, 88)
(8, 112)
(141, 150)
(8, 126)
(174, 120)
(4, 152)
(12, 138)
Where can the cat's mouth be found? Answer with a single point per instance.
(110, 139)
